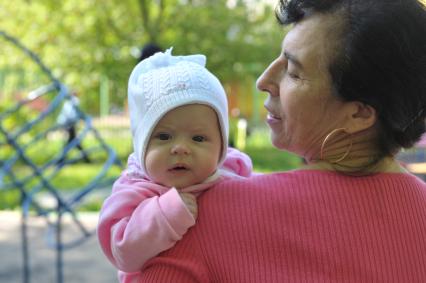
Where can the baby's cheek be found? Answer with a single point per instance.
(210, 169)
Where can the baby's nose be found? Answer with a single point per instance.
(180, 148)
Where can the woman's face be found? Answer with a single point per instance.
(300, 105)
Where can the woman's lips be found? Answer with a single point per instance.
(272, 119)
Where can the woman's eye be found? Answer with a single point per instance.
(164, 136)
(293, 76)
(198, 138)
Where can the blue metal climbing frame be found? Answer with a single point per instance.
(27, 166)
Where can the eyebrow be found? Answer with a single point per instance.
(290, 57)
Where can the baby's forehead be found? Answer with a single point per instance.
(191, 111)
(196, 105)
(190, 115)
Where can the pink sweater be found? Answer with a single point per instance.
(303, 226)
(140, 219)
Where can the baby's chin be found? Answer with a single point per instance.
(184, 182)
(181, 186)
(177, 185)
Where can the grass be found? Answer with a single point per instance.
(70, 179)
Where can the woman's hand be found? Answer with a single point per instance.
(191, 203)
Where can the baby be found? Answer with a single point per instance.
(179, 121)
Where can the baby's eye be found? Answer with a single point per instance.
(198, 138)
(163, 136)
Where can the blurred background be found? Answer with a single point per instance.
(91, 46)
(53, 179)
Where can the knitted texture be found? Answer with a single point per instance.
(303, 226)
(163, 82)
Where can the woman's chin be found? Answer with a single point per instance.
(284, 147)
(277, 143)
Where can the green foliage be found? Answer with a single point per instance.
(83, 41)
(239, 42)
(9, 199)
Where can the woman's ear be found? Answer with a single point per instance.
(361, 117)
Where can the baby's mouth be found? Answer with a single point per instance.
(179, 167)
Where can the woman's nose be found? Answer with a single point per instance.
(180, 148)
(269, 80)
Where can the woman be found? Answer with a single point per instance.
(347, 93)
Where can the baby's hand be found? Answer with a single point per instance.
(191, 203)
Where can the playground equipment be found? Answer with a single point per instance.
(35, 158)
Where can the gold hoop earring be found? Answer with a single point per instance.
(327, 138)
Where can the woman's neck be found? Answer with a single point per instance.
(359, 155)
(385, 165)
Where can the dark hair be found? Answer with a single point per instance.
(381, 62)
(148, 50)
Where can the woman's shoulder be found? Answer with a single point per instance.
(319, 178)
(264, 180)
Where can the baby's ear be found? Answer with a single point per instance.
(361, 116)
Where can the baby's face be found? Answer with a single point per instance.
(184, 147)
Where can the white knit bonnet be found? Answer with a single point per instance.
(163, 82)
